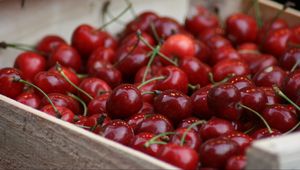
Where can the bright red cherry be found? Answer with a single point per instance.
(199, 103)
(270, 76)
(264, 133)
(240, 82)
(138, 143)
(64, 113)
(98, 104)
(290, 58)
(124, 101)
(236, 163)
(292, 85)
(155, 124)
(29, 98)
(49, 43)
(9, 87)
(30, 63)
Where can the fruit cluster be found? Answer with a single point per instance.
(193, 95)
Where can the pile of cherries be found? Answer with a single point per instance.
(193, 95)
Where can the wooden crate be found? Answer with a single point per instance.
(30, 139)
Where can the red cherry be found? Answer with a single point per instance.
(9, 87)
(102, 54)
(155, 124)
(96, 122)
(173, 104)
(240, 82)
(241, 28)
(243, 140)
(264, 133)
(29, 98)
(138, 143)
(66, 56)
(272, 98)
(30, 64)
(202, 52)
(248, 48)
(131, 41)
(254, 98)
(191, 140)
(152, 72)
(290, 58)
(270, 76)
(98, 104)
(49, 43)
(292, 85)
(137, 118)
(65, 113)
(124, 101)
(217, 41)
(147, 88)
(166, 27)
(185, 123)
(181, 156)
(222, 100)
(86, 39)
(236, 163)
(199, 103)
(223, 53)
(147, 108)
(215, 152)
(214, 128)
(119, 131)
(208, 33)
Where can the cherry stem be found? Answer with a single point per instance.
(154, 53)
(100, 121)
(139, 34)
(131, 9)
(188, 129)
(293, 128)
(281, 94)
(249, 130)
(117, 17)
(153, 140)
(60, 70)
(211, 79)
(80, 101)
(150, 80)
(295, 66)
(257, 114)
(153, 29)
(258, 14)
(18, 46)
(17, 79)
(194, 87)
(81, 76)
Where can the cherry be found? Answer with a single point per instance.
(98, 104)
(292, 85)
(226, 52)
(138, 143)
(51, 82)
(214, 128)
(228, 67)
(196, 71)
(280, 117)
(64, 113)
(147, 108)
(146, 91)
(165, 27)
(132, 41)
(86, 39)
(119, 131)
(265, 133)
(241, 28)
(124, 101)
(155, 124)
(175, 78)
(173, 104)
(94, 87)
(202, 52)
(217, 41)
(9, 87)
(243, 140)
(208, 33)
(30, 63)
(152, 72)
(191, 139)
(101, 54)
(186, 123)
(63, 100)
(96, 122)
(199, 103)
(258, 62)
(68, 74)
(272, 98)
(137, 118)
(248, 48)
(254, 98)
(240, 82)
(290, 58)
(220, 150)
(270, 76)
(222, 99)
(294, 38)
(29, 98)
(236, 163)
(180, 156)
(49, 43)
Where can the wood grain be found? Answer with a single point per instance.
(30, 139)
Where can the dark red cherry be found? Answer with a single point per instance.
(124, 101)
(202, 52)
(70, 74)
(94, 87)
(280, 117)
(241, 28)
(217, 41)
(264, 133)
(65, 113)
(29, 98)
(254, 98)
(223, 53)
(272, 98)
(152, 72)
(199, 103)
(214, 128)
(155, 124)
(258, 62)
(166, 27)
(138, 143)
(98, 104)
(228, 67)
(243, 140)
(9, 87)
(86, 39)
(30, 63)
(146, 108)
(96, 122)
(175, 78)
(132, 41)
(215, 152)
(137, 118)
(292, 85)
(222, 99)
(173, 104)
(119, 131)
(248, 48)
(240, 82)
(196, 71)
(236, 163)
(102, 54)
(270, 76)
(63, 100)
(191, 140)
(208, 33)
(290, 58)
(185, 123)
(181, 156)
(149, 87)
(49, 43)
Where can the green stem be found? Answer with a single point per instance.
(154, 53)
(153, 140)
(188, 129)
(22, 47)
(131, 9)
(58, 114)
(258, 14)
(80, 101)
(194, 87)
(100, 121)
(60, 70)
(281, 94)
(157, 38)
(257, 114)
(150, 80)
(293, 128)
(295, 66)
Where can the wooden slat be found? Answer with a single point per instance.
(30, 139)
